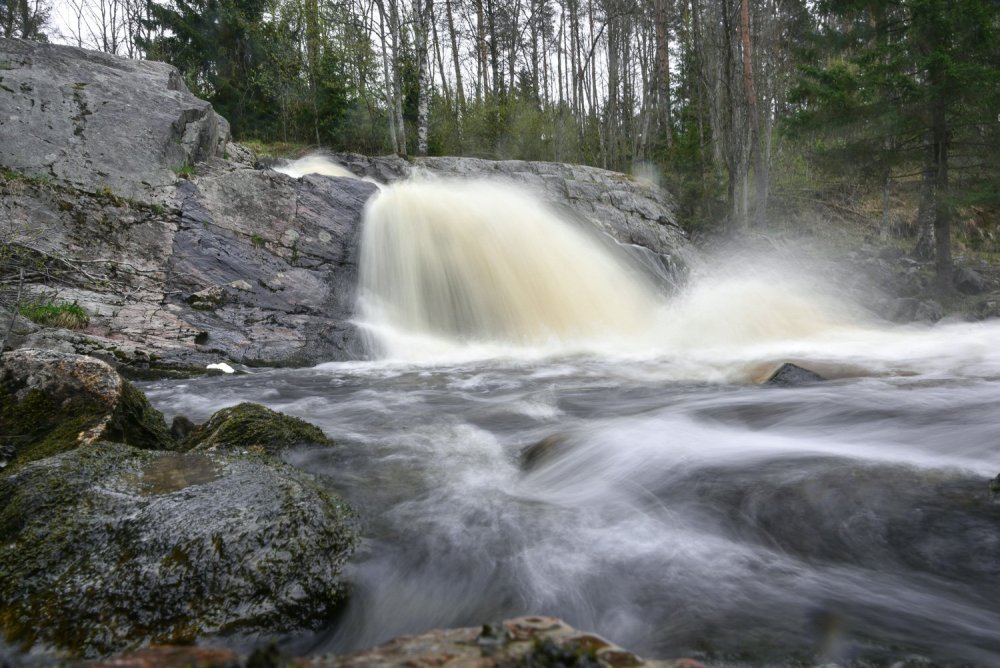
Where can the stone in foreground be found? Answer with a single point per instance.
(110, 547)
(539, 642)
(51, 402)
(249, 426)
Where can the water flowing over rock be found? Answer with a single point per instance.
(230, 262)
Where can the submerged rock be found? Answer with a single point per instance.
(110, 547)
(51, 402)
(792, 375)
(537, 454)
(249, 426)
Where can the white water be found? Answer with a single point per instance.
(464, 270)
(847, 522)
(314, 163)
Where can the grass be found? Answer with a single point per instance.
(185, 171)
(52, 314)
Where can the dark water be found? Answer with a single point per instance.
(850, 521)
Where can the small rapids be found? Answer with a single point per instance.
(669, 504)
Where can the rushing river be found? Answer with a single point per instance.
(851, 518)
(675, 507)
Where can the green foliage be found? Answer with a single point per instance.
(53, 314)
(185, 171)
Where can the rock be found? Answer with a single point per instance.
(51, 402)
(181, 427)
(163, 656)
(534, 456)
(232, 262)
(98, 121)
(968, 281)
(529, 642)
(792, 375)
(112, 547)
(250, 426)
(910, 309)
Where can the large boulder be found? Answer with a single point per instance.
(51, 402)
(99, 121)
(111, 547)
(254, 427)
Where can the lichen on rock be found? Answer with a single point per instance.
(112, 547)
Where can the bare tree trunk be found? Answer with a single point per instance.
(663, 72)
(424, 17)
(760, 173)
(397, 75)
(942, 206)
(460, 106)
(390, 98)
(482, 89)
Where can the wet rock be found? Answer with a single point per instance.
(249, 426)
(541, 642)
(911, 309)
(792, 375)
(112, 547)
(51, 402)
(181, 427)
(537, 454)
(164, 656)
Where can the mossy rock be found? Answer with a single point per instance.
(112, 547)
(51, 402)
(249, 426)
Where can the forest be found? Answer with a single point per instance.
(742, 108)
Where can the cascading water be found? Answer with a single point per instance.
(467, 263)
(848, 522)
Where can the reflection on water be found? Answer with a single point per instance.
(846, 520)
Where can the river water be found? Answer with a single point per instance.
(677, 507)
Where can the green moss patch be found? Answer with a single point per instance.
(95, 560)
(250, 426)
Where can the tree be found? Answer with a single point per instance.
(903, 80)
(24, 18)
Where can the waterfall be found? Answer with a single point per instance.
(314, 163)
(460, 263)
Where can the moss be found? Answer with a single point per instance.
(40, 425)
(93, 564)
(135, 422)
(254, 427)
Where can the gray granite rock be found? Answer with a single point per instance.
(99, 121)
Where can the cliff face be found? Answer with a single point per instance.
(121, 193)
